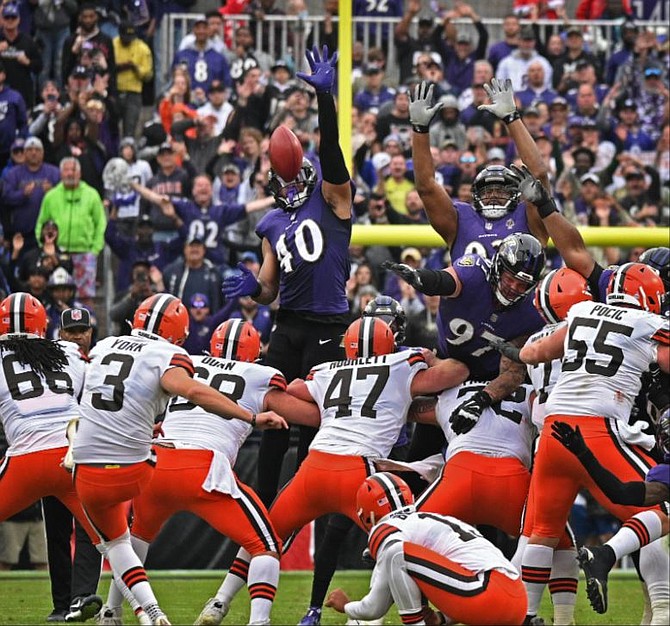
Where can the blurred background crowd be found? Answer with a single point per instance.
(187, 94)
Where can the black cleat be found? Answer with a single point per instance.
(596, 561)
(84, 608)
(533, 620)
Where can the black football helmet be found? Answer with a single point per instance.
(516, 267)
(495, 192)
(391, 311)
(659, 259)
(663, 432)
(289, 195)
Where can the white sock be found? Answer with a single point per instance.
(646, 613)
(518, 555)
(116, 595)
(535, 573)
(235, 579)
(563, 585)
(654, 566)
(262, 583)
(636, 532)
(127, 566)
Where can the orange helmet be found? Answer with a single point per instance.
(22, 313)
(558, 291)
(379, 495)
(368, 336)
(638, 285)
(236, 340)
(163, 315)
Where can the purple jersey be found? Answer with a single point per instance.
(477, 235)
(208, 224)
(659, 474)
(312, 247)
(467, 321)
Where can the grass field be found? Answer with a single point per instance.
(25, 599)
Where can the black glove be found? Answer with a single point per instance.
(467, 414)
(532, 190)
(409, 275)
(570, 437)
(506, 349)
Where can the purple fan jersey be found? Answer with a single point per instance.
(467, 321)
(478, 235)
(312, 247)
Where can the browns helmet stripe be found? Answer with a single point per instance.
(18, 308)
(366, 337)
(545, 300)
(390, 490)
(159, 305)
(232, 338)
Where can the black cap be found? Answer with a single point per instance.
(372, 68)
(166, 146)
(216, 85)
(126, 29)
(575, 30)
(628, 104)
(527, 32)
(145, 220)
(75, 318)
(194, 241)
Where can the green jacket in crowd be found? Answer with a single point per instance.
(80, 217)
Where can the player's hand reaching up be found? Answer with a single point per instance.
(501, 95)
(405, 272)
(269, 420)
(467, 414)
(421, 107)
(532, 190)
(242, 284)
(322, 77)
(570, 437)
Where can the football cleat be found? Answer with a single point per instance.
(312, 617)
(533, 620)
(162, 620)
(85, 607)
(108, 616)
(596, 561)
(57, 615)
(213, 613)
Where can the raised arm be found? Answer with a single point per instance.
(437, 202)
(336, 187)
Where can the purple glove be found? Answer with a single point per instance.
(659, 474)
(242, 284)
(322, 77)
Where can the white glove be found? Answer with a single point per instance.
(421, 107)
(502, 99)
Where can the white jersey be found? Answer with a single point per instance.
(543, 377)
(35, 408)
(607, 349)
(190, 426)
(445, 535)
(503, 430)
(123, 395)
(363, 402)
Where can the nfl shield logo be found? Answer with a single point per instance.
(509, 224)
(76, 315)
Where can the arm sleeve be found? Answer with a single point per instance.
(630, 493)
(436, 283)
(378, 600)
(333, 166)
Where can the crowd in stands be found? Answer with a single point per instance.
(77, 79)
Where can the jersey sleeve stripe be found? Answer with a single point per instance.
(416, 358)
(182, 360)
(310, 376)
(279, 382)
(662, 336)
(379, 536)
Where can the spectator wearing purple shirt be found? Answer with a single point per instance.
(457, 51)
(23, 189)
(622, 54)
(374, 93)
(13, 120)
(536, 91)
(499, 50)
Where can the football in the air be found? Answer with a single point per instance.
(285, 153)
